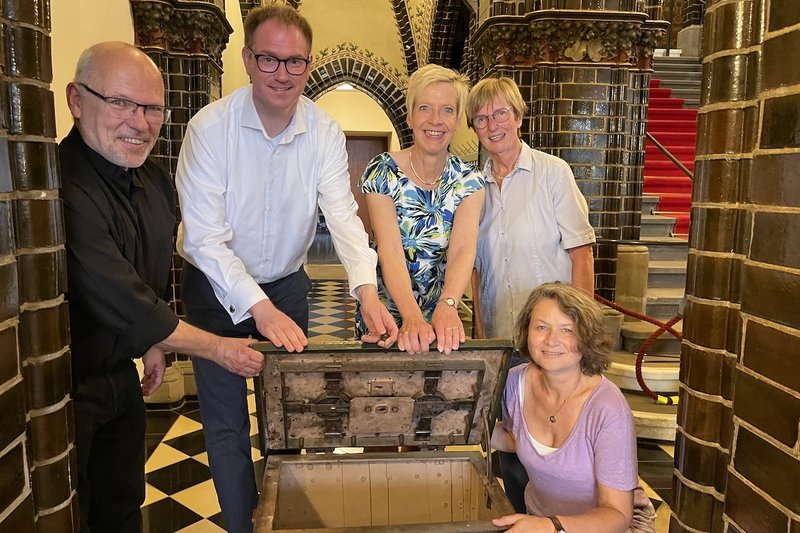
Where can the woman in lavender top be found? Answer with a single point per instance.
(570, 426)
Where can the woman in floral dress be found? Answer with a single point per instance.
(424, 204)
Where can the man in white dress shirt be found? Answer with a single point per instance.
(253, 170)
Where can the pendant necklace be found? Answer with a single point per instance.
(414, 170)
(553, 416)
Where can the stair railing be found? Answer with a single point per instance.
(670, 156)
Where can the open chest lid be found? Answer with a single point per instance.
(344, 394)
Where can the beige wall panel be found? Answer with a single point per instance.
(357, 112)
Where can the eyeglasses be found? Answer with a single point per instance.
(500, 115)
(268, 64)
(124, 109)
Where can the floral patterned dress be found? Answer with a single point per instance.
(425, 218)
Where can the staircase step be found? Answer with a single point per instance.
(665, 167)
(663, 302)
(682, 153)
(669, 139)
(676, 126)
(654, 113)
(667, 248)
(674, 202)
(649, 203)
(666, 103)
(660, 92)
(659, 373)
(682, 220)
(656, 225)
(666, 274)
(635, 333)
(652, 420)
(670, 184)
(682, 80)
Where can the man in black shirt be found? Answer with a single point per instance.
(119, 211)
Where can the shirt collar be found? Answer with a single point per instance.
(123, 179)
(524, 162)
(297, 125)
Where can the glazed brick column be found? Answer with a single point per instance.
(585, 75)
(36, 432)
(186, 41)
(693, 12)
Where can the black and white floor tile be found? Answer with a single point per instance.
(180, 495)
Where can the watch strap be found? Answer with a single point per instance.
(557, 523)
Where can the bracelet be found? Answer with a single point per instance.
(557, 524)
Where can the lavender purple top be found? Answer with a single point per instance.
(601, 448)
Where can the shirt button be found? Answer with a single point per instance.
(232, 309)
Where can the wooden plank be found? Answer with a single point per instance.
(379, 493)
(438, 487)
(407, 503)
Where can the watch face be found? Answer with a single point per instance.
(450, 302)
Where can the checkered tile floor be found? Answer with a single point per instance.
(180, 494)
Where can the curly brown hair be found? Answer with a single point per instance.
(594, 341)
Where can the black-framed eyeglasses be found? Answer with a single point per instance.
(123, 109)
(500, 115)
(268, 64)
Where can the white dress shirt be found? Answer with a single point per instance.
(525, 231)
(249, 202)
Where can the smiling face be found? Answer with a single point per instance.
(126, 73)
(552, 339)
(276, 94)
(435, 117)
(499, 138)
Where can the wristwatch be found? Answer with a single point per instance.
(451, 302)
(557, 523)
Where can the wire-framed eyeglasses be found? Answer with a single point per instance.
(123, 109)
(268, 64)
(500, 115)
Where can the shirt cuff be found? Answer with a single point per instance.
(361, 275)
(579, 240)
(152, 328)
(241, 298)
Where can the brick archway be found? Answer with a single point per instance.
(383, 86)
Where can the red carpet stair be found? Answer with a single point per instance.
(675, 127)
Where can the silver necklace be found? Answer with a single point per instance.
(553, 416)
(414, 170)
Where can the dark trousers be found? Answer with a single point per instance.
(223, 395)
(109, 440)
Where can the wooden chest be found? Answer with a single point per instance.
(345, 395)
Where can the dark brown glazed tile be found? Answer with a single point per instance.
(781, 123)
(64, 520)
(767, 408)
(9, 354)
(723, 459)
(9, 303)
(717, 180)
(50, 434)
(709, 276)
(772, 353)
(700, 418)
(7, 241)
(728, 79)
(695, 461)
(48, 382)
(701, 370)
(768, 468)
(774, 69)
(775, 237)
(12, 472)
(52, 484)
(723, 132)
(783, 13)
(713, 228)
(750, 510)
(705, 324)
(38, 223)
(12, 406)
(773, 180)
(33, 112)
(30, 51)
(34, 165)
(6, 181)
(696, 509)
(34, 12)
(42, 276)
(771, 294)
(21, 518)
(43, 331)
(733, 26)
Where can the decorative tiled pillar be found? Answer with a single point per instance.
(37, 457)
(736, 454)
(585, 74)
(690, 34)
(186, 41)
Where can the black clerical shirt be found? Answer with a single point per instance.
(119, 240)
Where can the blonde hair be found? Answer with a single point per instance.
(430, 74)
(488, 90)
(594, 341)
